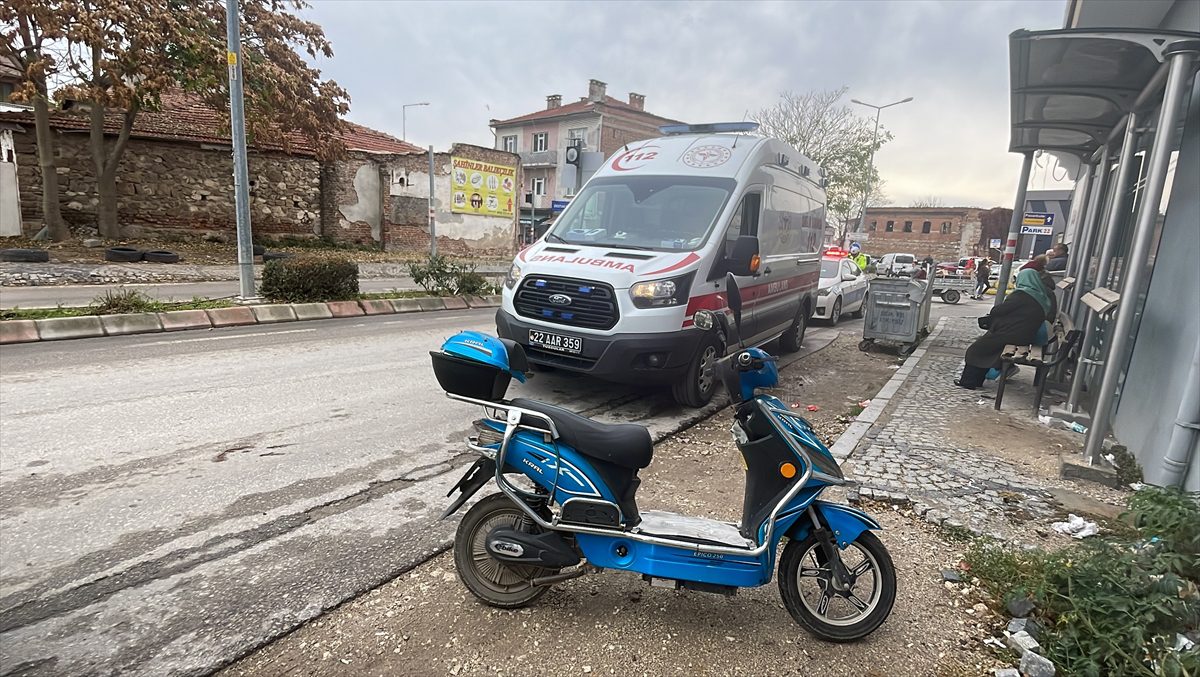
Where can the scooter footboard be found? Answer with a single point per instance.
(846, 523)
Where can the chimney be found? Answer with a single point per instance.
(596, 90)
(553, 101)
(638, 101)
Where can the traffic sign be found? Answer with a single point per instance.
(1038, 219)
(994, 243)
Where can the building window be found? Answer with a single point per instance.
(540, 142)
(926, 227)
(6, 91)
(891, 225)
(509, 143)
(945, 227)
(539, 185)
(578, 134)
(874, 225)
(908, 226)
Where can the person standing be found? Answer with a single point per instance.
(983, 273)
(860, 259)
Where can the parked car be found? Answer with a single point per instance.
(897, 265)
(843, 289)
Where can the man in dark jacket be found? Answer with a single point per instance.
(1014, 322)
(1058, 257)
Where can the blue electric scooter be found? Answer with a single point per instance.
(566, 504)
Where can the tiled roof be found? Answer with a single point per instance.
(184, 117)
(581, 106)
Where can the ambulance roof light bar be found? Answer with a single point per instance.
(709, 128)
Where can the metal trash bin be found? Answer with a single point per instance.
(897, 312)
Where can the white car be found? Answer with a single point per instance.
(843, 289)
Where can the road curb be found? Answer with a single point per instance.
(848, 441)
(95, 326)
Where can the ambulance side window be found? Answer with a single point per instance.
(743, 222)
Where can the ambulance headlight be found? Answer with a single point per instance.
(513, 276)
(661, 293)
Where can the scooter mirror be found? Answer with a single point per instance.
(733, 297)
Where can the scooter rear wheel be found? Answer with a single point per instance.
(805, 585)
(495, 583)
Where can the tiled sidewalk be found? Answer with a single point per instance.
(906, 457)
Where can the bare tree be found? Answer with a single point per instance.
(30, 29)
(927, 202)
(819, 125)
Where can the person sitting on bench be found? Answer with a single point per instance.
(1016, 322)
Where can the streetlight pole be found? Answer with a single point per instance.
(241, 180)
(404, 118)
(862, 214)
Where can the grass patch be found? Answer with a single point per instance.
(114, 302)
(1113, 604)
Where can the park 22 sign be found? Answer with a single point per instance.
(482, 188)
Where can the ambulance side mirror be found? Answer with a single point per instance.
(744, 259)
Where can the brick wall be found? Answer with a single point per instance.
(960, 240)
(619, 130)
(164, 186)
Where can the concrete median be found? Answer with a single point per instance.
(136, 323)
(273, 313)
(180, 320)
(60, 328)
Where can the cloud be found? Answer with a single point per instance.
(700, 61)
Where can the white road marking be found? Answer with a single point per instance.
(226, 338)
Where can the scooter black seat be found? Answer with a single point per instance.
(625, 444)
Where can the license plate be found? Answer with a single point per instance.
(555, 342)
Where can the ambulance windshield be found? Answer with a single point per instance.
(644, 212)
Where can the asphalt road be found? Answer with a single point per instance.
(82, 295)
(169, 502)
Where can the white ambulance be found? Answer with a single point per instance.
(610, 290)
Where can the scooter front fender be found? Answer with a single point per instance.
(846, 523)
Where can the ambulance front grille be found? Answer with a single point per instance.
(593, 305)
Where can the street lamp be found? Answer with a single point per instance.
(862, 215)
(404, 118)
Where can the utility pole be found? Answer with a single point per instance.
(404, 118)
(862, 214)
(432, 213)
(241, 180)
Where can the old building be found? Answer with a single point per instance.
(176, 174)
(597, 123)
(945, 233)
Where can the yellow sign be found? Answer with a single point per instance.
(483, 188)
(231, 58)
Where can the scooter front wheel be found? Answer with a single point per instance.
(495, 583)
(806, 585)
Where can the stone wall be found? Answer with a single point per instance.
(165, 185)
(372, 198)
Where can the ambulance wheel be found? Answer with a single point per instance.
(793, 339)
(806, 586)
(700, 381)
(495, 583)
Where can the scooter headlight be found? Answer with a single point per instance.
(513, 276)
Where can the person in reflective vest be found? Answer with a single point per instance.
(860, 259)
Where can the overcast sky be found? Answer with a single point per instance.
(701, 62)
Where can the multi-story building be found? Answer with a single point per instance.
(945, 233)
(597, 123)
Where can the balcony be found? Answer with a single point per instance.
(542, 158)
